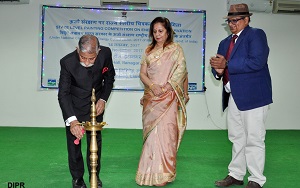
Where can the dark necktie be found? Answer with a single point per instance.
(231, 45)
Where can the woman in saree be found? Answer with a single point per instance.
(163, 73)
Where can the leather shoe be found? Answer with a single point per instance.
(228, 181)
(99, 183)
(252, 184)
(78, 183)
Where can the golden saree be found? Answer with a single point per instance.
(164, 116)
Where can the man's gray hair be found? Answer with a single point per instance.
(89, 44)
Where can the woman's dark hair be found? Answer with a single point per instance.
(167, 25)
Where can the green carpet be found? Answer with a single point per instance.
(38, 158)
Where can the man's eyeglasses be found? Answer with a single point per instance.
(233, 21)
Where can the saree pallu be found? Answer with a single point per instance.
(164, 117)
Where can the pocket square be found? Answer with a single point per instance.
(104, 70)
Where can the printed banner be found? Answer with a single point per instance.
(126, 32)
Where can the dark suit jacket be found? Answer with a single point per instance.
(76, 83)
(249, 75)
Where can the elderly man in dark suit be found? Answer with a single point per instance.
(241, 62)
(89, 66)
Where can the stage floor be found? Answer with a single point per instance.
(37, 157)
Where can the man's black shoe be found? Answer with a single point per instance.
(252, 184)
(99, 183)
(78, 183)
(228, 181)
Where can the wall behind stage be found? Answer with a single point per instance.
(23, 104)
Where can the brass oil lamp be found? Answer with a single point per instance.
(93, 126)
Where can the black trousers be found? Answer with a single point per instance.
(75, 159)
